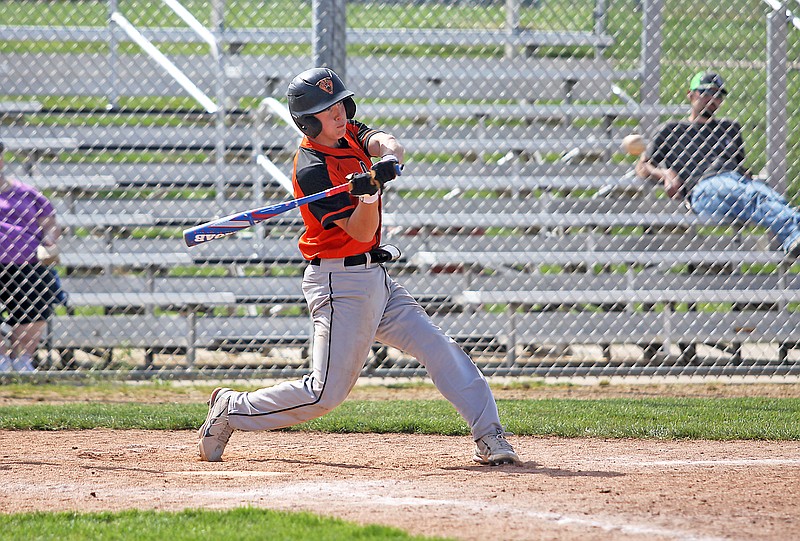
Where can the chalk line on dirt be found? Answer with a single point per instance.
(710, 462)
(369, 492)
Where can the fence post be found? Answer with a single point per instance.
(777, 35)
(599, 23)
(329, 38)
(113, 92)
(218, 29)
(652, 40)
(512, 25)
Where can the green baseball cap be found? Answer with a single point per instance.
(708, 80)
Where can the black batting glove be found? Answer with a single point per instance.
(364, 184)
(387, 169)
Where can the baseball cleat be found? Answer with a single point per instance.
(215, 432)
(494, 449)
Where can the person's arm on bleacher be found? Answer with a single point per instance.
(669, 178)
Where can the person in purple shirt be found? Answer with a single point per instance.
(28, 232)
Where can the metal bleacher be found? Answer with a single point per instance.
(522, 228)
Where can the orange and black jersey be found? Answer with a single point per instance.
(317, 168)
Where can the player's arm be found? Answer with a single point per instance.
(382, 144)
(363, 223)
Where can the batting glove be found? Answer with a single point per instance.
(388, 168)
(364, 184)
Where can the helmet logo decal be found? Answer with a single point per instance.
(326, 85)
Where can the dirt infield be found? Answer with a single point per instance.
(568, 488)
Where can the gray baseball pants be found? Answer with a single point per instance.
(351, 307)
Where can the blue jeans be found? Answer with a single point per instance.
(731, 196)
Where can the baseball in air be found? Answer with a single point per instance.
(633, 144)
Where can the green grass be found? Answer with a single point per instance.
(755, 418)
(241, 524)
(660, 418)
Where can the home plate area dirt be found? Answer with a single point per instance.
(579, 489)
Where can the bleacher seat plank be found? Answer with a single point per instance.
(483, 145)
(268, 75)
(638, 295)
(419, 176)
(649, 327)
(139, 331)
(184, 299)
(245, 289)
(519, 220)
(361, 36)
(169, 212)
(493, 111)
(70, 183)
(585, 242)
(255, 331)
(583, 205)
(12, 108)
(15, 140)
(281, 138)
(104, 220)
(267, 290)
(64, 176)
(431, 288)
(163, 253)
(401, 211)
(517, 183)
(645, 280)
(141, 260)
(607, 257)
(136, 137)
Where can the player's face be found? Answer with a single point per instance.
(706, 102)
(334, 123)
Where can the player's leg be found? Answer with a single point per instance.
(345, 307)
(406, 326)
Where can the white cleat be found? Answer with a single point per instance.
(494, 449)
(216, 431)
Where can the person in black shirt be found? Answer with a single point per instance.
(701, 160)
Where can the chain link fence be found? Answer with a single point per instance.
(525, 232)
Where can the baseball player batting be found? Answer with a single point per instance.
(351, 297)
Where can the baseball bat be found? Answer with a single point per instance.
(229, 225)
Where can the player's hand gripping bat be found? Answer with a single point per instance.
(231, 224)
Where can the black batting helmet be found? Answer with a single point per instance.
(313, 91)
